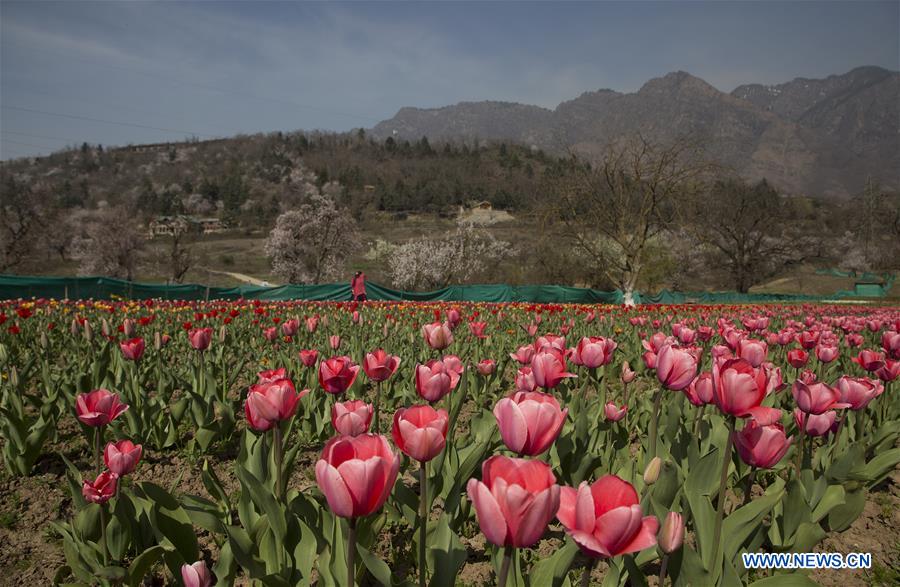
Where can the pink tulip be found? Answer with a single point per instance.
(593, 352)
(271, 334)
(99, 407)
(309, 357)
(738, 386)
(200, 338)
(438, 336)
(486, 367)
(890, 342)
(675, 368)
(420, 432)
(797, 358)
(357, 474)
(870, 361)
(627, 375)
(270, 403)
(890, 371)
(605, 518)
(128, 327)
(312, 323)
(337, 374)
(613, 413)
(351, 418)
(816, 398)
(761, 446)
(379, 366)
(515, 500)
(196, 575)
(290, 327)
(826, 353)
(525, 380)
(701, 390)
(857, 392)
(453, 318)
(271, 375)
(102, 489)
(753, 351)
(549, 369)
(132, 349)
(334, 341)
(529, 421)
(815, 424)
(524, 355)
(477, 329)
(435, 379)
(671, 534)
(807, 339)
(122, 457)
(550, 343)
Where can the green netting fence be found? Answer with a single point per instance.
(26, 287)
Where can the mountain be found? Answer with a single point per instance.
(820, 137)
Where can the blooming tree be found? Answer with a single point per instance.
(312, 243)
(110, 244)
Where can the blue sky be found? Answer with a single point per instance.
(120, 73)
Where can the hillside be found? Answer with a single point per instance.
(812, 137)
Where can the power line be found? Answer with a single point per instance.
(25, 134)
(26, 144)
(114, 122)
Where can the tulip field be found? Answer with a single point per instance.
(300, 443)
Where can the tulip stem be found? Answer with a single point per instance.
(98, 449)
(723, 484)
(748, 489)
(663, 567)
(103, 548)
(278, 449)
(377, 407)
(351, 552)
(799, 460)
(423, 519)
(654, 422)
(697, 419)
(504, 567)
(586, 575)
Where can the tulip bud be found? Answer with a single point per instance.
(671, 535)
(44, 341)
(222, 333)
(104, 327)
(4, 354)
(74, 327)
(128, 328)
(651, 473)
(157, 341)
(13, 376)
(88, 332)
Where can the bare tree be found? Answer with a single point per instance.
(312, 243)
(615, 208)
(110, 244)
(753, 229)
(20, 221)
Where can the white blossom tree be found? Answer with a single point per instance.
(427, 263)
(110, 244)
(312, 244)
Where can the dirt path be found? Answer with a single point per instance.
(241, 277)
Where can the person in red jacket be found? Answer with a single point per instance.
(358, 286)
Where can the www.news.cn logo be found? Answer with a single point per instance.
(807, 560)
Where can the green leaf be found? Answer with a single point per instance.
(263, 497)
(878, 468)
(445, 555)
(376, 566)
(833, 497)
(143, 563)
(841, 517)
(172, 522)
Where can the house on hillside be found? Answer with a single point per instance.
(172, 225)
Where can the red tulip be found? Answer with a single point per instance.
(122, 457)
(753, 351)
(738, 387)
(438, 336)
(857, 392)
(420, 431)
(529, 421)
(486, 367)
(761, 446)
(870, 361)
(379, 366)
(200, 338)
(671, 535)
(890, 371)
(515, 500)
(102, 489)
(613, 413)
(815, 424)
(357, 473)
(271, 375)
(351, 418)
(808, 339)
(309, 357)
(99, 407)
(453, 318)
(477, 329)
(594, 351)
(797, 358)
(337, 374)
(132, 349)
(816, 398)
(605, 519)
(271, 334)
(548, 369)
(196, 575)
(675, 368)
(270, 403)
